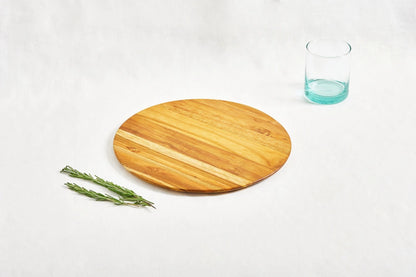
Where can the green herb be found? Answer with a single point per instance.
(92, 194)
(127, 196)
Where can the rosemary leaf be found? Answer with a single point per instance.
(94, 195)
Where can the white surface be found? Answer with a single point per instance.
(72, 71)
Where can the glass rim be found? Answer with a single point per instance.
(329, 57)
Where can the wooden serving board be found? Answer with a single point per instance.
(201, 145)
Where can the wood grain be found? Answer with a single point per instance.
(202, 145)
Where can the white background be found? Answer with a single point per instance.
(71, 72)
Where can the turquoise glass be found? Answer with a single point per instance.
(327, 71)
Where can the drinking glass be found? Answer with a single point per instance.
(327, 71)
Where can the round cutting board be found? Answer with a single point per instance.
(202, 145)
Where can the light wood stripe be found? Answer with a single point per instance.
(185, 159)
(145, 169)
(143, 159)
(195, 148)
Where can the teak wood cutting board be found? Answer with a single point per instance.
(202, 145)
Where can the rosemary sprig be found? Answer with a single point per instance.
(127, 196)
(92, 194)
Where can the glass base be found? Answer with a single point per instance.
(322, 91)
